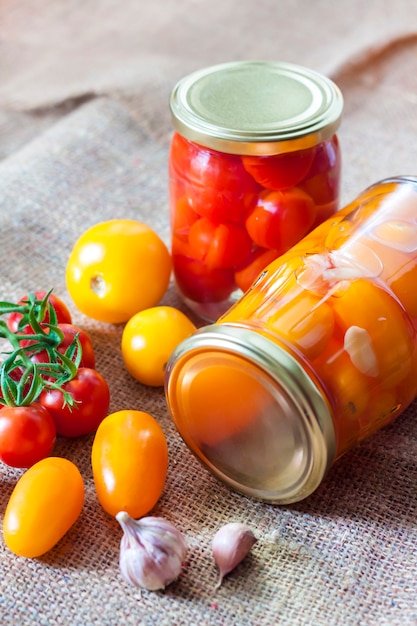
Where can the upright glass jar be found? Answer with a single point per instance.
(254, 165)
(317, 355)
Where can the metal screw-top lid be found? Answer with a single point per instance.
(250, 412)
(256, 107)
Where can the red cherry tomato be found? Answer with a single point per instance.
(323, 179)
(219, 245)
(217, 184)
(281, 218)
(181, 153)
(183, 217)
(280, 171)
(201, 284)
(253, 266)
(27, 434)
(62, 312)
(88, 358)
(179, 247)
(92, 399)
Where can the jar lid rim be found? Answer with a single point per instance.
(260, 107)
(312, 424)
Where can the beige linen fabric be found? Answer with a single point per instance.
(85, 133)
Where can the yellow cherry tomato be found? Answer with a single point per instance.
(382, 409)
(129, 459)
(392, 245)
(148, 339)
(403, 285)
(117, 268)
(367, 306)
(349, 390)
(46, 501)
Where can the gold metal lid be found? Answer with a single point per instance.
(256, 107)
(249, 411)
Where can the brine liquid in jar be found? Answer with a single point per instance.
(254, 166)
(317, 355)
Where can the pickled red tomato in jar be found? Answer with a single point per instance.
(321, 352)
(254, 165)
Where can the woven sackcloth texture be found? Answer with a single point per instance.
(85, 135)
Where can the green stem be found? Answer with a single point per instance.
(21, 379)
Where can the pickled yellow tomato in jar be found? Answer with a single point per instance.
(317, 355)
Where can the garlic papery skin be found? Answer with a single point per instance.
(152, 551)
(230, 545)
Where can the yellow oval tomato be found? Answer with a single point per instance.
(148, 339)
(117, 268)
(45, 503)
(129, 459)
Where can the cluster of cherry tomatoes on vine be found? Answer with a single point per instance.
(48, 382)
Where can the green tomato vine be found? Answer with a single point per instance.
(22, 379)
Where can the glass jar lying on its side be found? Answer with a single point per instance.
(317, 355)
(254, 165)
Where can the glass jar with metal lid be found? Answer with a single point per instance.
(254, 165)
(317, 355)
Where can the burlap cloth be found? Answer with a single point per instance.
(85, 132)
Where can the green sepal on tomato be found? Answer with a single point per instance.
(74, 340)
(42, 303)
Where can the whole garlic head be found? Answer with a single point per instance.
(152, 551)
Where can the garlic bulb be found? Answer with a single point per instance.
(231, 543)
(152, 551)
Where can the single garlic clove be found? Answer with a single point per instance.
(358, 345)
(230, 545)
(152, 551)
